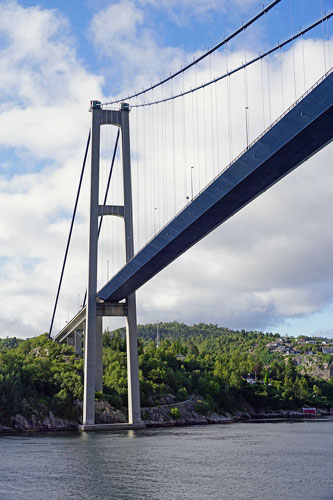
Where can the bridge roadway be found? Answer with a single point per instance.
(299, 134)
(303, 130)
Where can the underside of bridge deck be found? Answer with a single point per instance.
(297, 135)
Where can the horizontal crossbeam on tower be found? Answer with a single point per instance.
(77, 322)
(117, 210)
(296, 136)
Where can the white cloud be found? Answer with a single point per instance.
(116, 23)
(127, 38)
(44, 121)
(132, 52)
(43, 85)
(269, 262)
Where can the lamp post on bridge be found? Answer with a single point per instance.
(192, 183)
(155, 208)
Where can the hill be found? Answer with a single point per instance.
(230, 370)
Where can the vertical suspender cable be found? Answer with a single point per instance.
(154, 163)
(194, 147)
(159, 171)
(151, 172)
(212, 115)
(282, 90)
(184, 142)
(137, 177)
(151, 197)
(246, 95)
(145, 209)
(262, 93)
(323, 37)
(328, 44)
(291, 32)
(199, 149)
(304, 80)
(268, 78)
(217, 130)
(164, 197)
(173, 152)
(229, 105)
(70, 234)
(205, 140)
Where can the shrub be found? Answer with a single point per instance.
(175, 413)
(99, 396)
(202, 407)
(182, 394)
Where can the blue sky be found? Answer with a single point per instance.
(182, 25)
(57, 55)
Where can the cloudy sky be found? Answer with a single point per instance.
(269, 267)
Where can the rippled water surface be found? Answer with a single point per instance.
(238, 461)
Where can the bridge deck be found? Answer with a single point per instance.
(297, 135)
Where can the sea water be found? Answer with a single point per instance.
(264, 461)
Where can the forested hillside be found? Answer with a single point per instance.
(216, 363)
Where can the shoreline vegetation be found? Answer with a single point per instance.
(199, 374)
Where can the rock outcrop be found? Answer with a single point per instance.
(38, 423)
(186, 414)
(104, 413)
(313, 367)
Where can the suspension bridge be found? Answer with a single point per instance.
(195, 148)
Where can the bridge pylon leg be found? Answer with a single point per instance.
(88, 417)
(99, 354)
(134, 411)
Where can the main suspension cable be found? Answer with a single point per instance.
(203, 56)
(242, 66)
(70, 233)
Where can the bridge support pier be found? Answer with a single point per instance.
(70, 340)
(75, 340)
(78, 342)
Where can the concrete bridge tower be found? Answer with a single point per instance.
(93, 366)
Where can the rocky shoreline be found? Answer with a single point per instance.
(174, 414)
(160, 416)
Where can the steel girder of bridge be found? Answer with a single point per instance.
(302, 131)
